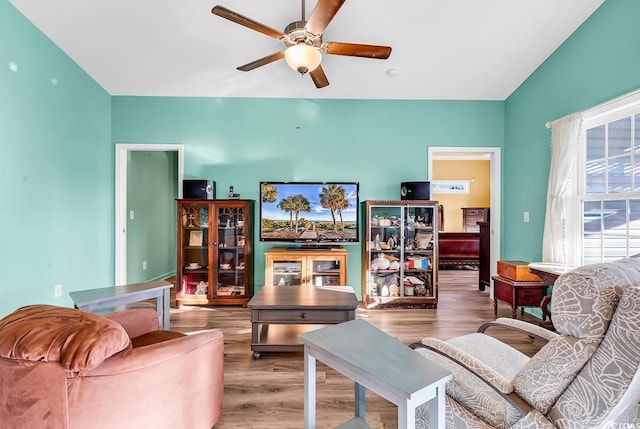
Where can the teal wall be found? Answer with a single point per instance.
(56, 178)
(151, 235)
(600, 61)
(59, 128)
(240, 142)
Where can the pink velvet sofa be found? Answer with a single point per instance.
(65, 368)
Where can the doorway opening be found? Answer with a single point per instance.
(492, 154)
(122, 214)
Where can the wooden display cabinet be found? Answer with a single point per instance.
(305, 267)
(215, 252)
(400, 254)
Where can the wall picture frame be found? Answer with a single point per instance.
(450, 186)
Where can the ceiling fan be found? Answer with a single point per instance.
(303, 41)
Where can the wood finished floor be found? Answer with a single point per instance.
(268, 392)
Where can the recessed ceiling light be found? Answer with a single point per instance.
(393, 72)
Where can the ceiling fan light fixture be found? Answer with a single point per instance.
(303, 58)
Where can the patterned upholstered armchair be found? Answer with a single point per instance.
(585, 376)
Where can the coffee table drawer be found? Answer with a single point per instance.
(304, 316)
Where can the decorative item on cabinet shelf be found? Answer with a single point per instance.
(195, 238)
(191, 286)
(189, 218)
(422, 240)
(392, 242)
(238, 220)
(230, 290)
(408, 289)
(384, 261)
(202, 288)
(417, 263)
(420, 288)
(387, 286)
(380, 263)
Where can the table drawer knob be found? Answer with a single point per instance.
(303, 315)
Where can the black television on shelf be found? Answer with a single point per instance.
(309, 213)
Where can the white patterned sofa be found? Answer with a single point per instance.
(585, 376)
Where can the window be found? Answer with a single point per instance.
(609, 181)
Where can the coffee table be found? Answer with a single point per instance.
(280, 313)
(380, 363)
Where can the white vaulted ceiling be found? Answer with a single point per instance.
(442, 49)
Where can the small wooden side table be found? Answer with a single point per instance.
(518, 294)
(397, 373)
(93, 300)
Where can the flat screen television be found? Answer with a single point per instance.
(309, 213)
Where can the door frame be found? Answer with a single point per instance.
(493, 154)
(122, 151)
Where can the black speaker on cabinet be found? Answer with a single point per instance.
(198, 189)
(415, 190)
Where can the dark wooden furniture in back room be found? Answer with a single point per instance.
(484, 278)
(472, 215)
(459, 249)
(280, 313)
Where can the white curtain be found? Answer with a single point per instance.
(565, 136)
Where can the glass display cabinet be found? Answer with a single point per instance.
(400, 254)
(215, 252)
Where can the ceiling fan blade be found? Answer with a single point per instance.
(262, 61)
(247, 22)
(356, 50)
(319, 78)
(322, 15)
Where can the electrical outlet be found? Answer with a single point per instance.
(57, 291)
(144, 265)
(526, 216)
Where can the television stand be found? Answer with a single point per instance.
(306, 247)
(305, 267)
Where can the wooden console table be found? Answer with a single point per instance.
(375, 361)
(115, 296)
